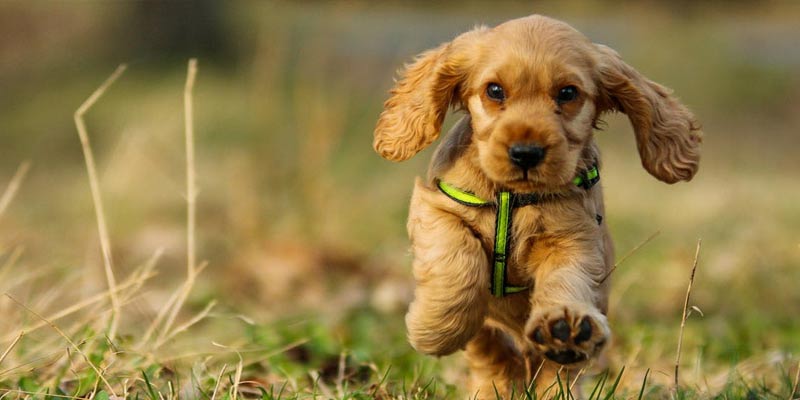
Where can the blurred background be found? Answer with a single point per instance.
(303, 225)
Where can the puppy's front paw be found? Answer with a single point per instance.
(568, 334)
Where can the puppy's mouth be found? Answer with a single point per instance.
(539, 178)
(533, 174)
(527, 178)
(523, 179)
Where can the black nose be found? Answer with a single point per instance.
(526, 156)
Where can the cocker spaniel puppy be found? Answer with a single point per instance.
(510, 248)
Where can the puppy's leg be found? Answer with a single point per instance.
(495, 365)
(566, 324)
(451, 272)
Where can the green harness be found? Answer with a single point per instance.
(505, 203)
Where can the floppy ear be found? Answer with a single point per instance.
(667, 134)
(412, 117)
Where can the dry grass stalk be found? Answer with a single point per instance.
(796, 382)
(577, 377)
(530, 375)
(19, 278)
(182, 328)
(71, 343)
(273, 353)
(162, 313)
(630, 253)
(340, 374)
(94, 185)
(237, 379)
(13, 186)
(134, 282)
(191, 190)
(683, 318)
(6, 267)
(11, 346)
(94, 389)
(191, 196)
(144, 272)
(49, 358)
(327, 393)
(219, 378)
(35, 395)
(167, 309)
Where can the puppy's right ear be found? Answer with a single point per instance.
(412, 117)
(667, 134)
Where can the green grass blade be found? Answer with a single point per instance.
(280, 391)
(528, 390)
(560, 387)
(613, 389)
(598, 387)
(644, 383)
(150, 391)
(381, 382)
(549, 388)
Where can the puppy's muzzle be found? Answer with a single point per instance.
(526, 156)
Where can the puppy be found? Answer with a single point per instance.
(510, 247)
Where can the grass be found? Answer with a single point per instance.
(298, 226)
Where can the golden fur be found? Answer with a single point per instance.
(558, 245)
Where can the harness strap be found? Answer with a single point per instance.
(505, 204)
(502, 234)
(588, 178)
(461, 196)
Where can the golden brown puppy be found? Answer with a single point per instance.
(510, 250)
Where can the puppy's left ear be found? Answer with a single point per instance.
(412, 116)
(667, 134)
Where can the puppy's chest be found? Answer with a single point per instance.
(528, 229)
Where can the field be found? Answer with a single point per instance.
(287, 273)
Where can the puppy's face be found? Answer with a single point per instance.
(531, 95)
(534, 88)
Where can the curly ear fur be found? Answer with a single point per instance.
(667, 134)
(412, 117)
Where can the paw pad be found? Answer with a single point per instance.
(538, 336)
(560, 330)
(565, 357)
(585, 332)
(566, 338)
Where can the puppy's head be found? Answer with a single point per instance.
(534, 88)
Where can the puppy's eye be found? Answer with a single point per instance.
(567, 94)
(495, 92)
